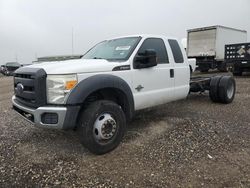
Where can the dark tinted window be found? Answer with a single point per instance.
(13, 64)
(176, 50)
(157, 45)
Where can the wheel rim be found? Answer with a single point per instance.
(230, 91)
(105, 127)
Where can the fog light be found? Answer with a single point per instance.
(49, 118)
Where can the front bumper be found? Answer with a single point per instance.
(66, 116)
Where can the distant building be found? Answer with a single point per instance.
(57, 58)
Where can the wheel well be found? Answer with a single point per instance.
(111, 94)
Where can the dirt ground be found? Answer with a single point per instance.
(189, 143)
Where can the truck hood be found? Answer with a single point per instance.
(76, 66)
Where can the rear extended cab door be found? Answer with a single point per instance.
(181, 69)
(155, 85)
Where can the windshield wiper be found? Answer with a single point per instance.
(97, 58)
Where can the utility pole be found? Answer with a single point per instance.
(16, 58)
(72, 41)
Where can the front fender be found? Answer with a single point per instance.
(94, 83)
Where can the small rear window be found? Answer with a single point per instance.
(176, 50)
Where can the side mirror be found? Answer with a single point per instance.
(145, 60)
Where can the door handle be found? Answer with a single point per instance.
(171, 73)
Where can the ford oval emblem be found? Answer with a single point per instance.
(19, 88)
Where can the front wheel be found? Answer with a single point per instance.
(102, 126)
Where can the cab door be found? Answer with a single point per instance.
(155, 85)
(181, 70)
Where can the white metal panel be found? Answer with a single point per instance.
(182, 77)
(158, 86)
(201, 43)
(76, 66)
(228, 36)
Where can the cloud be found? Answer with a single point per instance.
(44, 27)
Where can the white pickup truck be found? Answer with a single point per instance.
(99, 93)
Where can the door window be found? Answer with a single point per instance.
(158, 45)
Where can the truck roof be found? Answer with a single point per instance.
(213, 27)
(144, 36)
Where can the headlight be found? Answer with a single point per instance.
(59, 86)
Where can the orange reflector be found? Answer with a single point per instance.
(70, 84)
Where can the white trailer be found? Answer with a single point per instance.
(207, 45)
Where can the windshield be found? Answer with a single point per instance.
(116, 49)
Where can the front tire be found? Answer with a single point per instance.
(102, 126)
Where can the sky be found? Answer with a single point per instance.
(36, 28)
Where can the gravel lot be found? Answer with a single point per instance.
(189, 143)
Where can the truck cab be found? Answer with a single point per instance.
(99, 93)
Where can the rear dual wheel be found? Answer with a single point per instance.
(222, 89)
(214, 88)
